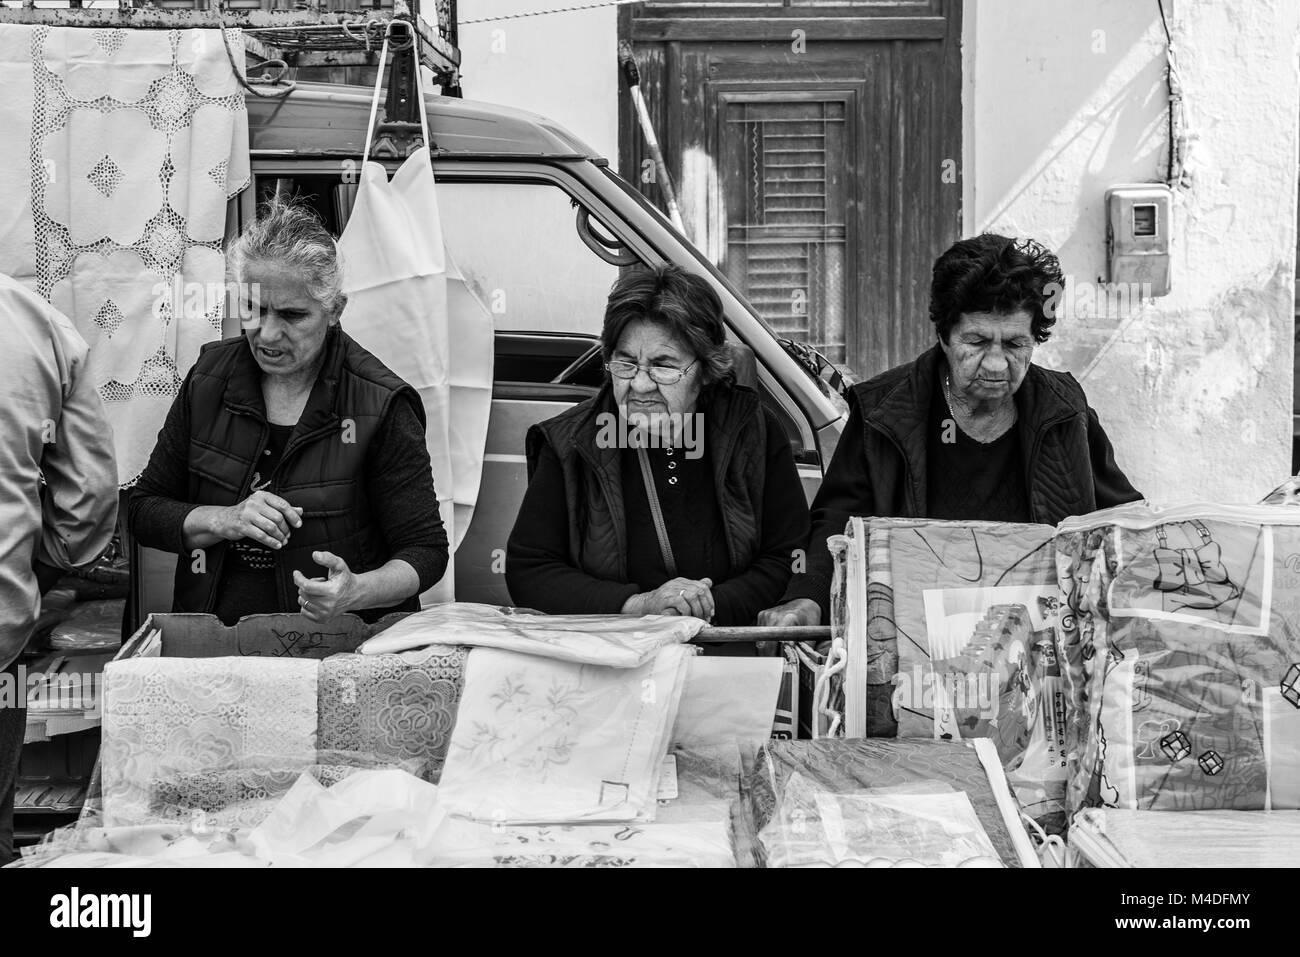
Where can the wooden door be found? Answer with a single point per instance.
(816, 151)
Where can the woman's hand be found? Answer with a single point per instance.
(262, 517)
(799, 612)
(323, 599)
(677, 596)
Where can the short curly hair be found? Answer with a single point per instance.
(682, 303)
(992, 273)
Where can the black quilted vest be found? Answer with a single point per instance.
(593, 487)
(322, 469)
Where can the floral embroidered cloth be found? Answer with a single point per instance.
(618, 641)
(165, 718)
(395, 706)
(1180, 655)
(545, 741)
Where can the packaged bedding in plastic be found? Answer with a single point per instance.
(883, 803)
(1180, 653)
(957, 621)
(1110, 837)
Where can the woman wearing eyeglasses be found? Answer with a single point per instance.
(672, 491)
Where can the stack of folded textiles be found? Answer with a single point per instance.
(554, 754)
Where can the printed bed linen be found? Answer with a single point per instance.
(791, 831)
(961, 633)
(1180, 649)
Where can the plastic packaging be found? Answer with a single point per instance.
(544, 741)
(808, 801)
(612, 640)
(1109, 837)
(1180, 654)
(957, 620)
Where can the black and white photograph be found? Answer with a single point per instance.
(650, 434)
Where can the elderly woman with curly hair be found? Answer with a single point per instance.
(971, 429)
(292, 472)
(672, 491)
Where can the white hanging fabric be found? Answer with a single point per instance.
(409, 306)
(120, 151)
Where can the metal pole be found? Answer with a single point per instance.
(633, 76)
(756, 633)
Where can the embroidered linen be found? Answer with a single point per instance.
(612, 640)
(121, 148)
(396, 706)
(169, 717)
(1181, 655)
(544, 741)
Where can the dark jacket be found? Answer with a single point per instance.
(879, 468)
(324, 468)
(579, 563)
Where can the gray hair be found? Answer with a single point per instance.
(289, 232)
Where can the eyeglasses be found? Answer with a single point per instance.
(664, 375)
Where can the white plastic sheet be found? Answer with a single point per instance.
(409, 306)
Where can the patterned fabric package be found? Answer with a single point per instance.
(243, 797)
(1109, 837)
(166, 718)
(1180, 648)
(400, 707)
(964, 613)
(541, 741)
(859, 800)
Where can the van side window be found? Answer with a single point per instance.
(518, 248)
(802, 454)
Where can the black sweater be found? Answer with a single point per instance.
(541, 576)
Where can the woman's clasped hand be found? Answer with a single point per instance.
(263, 517)
(677, 596)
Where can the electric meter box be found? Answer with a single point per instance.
(1138, 224)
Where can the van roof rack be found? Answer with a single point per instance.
(297, 33)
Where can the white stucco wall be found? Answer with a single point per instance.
(561, 65)
(1063, 99)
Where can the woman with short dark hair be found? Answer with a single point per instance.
(671, 491)
(971, 429)
(292, 472)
